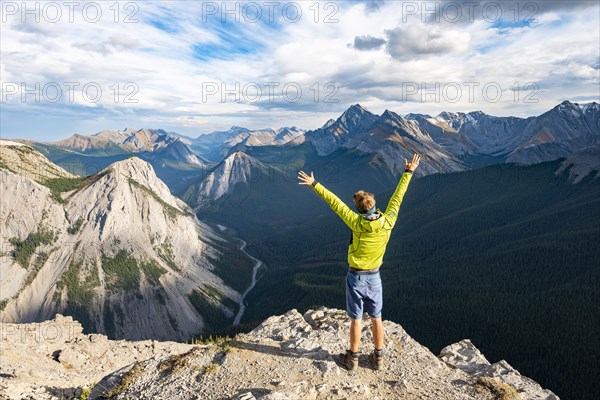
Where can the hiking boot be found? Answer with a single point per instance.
(376, 361)
(348, 361)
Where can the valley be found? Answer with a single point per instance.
(242, 303)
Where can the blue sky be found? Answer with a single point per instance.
(194, 67)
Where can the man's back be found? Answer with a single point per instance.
(369, 236)
(368, 245)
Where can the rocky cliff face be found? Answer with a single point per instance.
(287, 357)
(395, 139)
(221, 180)
(582, 163)
(21, 159)
(350, 127)
(117, 251)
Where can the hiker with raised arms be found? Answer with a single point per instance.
(371, 229)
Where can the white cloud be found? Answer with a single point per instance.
(557, 54)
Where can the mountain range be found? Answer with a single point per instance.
(451, 141)
(448, 142)
(164, 147)
(376, 146)
(249, 170)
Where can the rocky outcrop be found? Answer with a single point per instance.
(55, 360)
(291, 356)
(582, 163)
(466, 357)
(23, 160)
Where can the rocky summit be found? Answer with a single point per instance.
(291, 356)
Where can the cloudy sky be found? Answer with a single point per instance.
(196, 67)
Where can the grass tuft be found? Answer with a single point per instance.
(126, 381)
(500, 390)
(177, 362)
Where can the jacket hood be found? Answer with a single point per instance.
(373, 222)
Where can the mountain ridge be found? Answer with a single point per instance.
(450, 141)
(451, 136)
(238, 167)
(153, 141)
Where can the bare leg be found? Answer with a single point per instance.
(354, 334)
(377, 327)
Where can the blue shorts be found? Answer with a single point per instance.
(364, 291)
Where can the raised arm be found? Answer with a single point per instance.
(394, 205)
(350, 218)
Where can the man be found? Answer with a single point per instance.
(371, 231)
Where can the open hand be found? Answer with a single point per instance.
(305, 179)
(412, 166)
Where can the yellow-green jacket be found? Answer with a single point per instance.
(369, 237)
